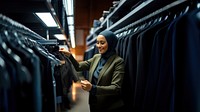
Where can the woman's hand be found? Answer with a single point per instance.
(64, 51)
(86, 85)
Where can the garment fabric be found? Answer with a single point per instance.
(162, 65)
(108, 86)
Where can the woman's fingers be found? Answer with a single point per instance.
(66, 52)
(86, 85)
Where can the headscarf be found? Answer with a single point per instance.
(111, 38)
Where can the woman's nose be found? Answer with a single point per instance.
(98, 45)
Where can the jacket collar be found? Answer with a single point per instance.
(94, 67)
(105, 67)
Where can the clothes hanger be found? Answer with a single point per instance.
(44, 51)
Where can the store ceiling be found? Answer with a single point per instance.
(22, 11)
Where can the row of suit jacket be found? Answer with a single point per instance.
(162, 64)
(31, 76)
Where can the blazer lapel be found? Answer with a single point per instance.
(93, 68)
(106, 66)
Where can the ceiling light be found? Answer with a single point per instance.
(69, 6)
(71, 27)
(70, 20)
(60, 36)
(72, 37)
(47, 18)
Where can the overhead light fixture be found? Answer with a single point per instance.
(72, 37)
(71, 27)
(60, 36)
(70, 20)
(47, 18)
(69, 6)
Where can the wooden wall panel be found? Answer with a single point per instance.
(85, 13)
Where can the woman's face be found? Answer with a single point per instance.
(102, 44)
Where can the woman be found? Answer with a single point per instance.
(106, 72)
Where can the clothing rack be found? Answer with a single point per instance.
(123, 20)
(11, 24)
(157, 12)
(48, 42)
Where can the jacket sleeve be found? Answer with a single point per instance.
(80, 66)
(72, 70)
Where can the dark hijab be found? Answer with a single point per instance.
(112, 42)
